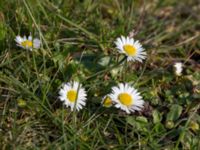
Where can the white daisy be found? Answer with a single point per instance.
(126, 98)
(178, 68)
(106, 101)
(131, 48)
(28, 43)
(73, 95)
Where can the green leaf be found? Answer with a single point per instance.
(104, 61)
(156, 116)
(159, 127)
(174, 113)
(139, 123)
(130, 120)
(142, 119)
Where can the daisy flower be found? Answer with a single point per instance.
(126, 98)
(27, 43)
(73, 95)
(106, 101)
(131, 48)
(178, 68)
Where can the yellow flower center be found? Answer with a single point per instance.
(107, 102)
(71, 95)
(130, 50)
(125, 99)
(27, 43)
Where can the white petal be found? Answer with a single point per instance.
(30, 38)
(36, 43)
(18, 39)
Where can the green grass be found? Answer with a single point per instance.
(77, 44)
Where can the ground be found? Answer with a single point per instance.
(78, 44)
